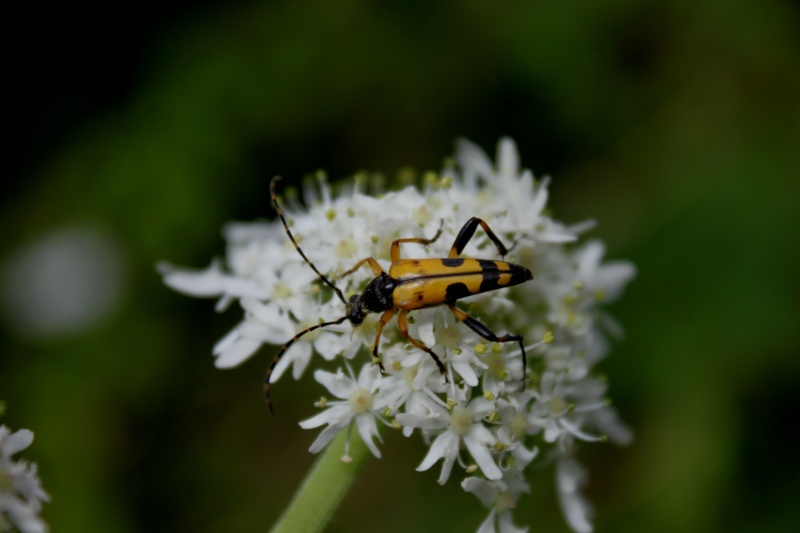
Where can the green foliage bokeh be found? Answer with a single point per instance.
(675, 124)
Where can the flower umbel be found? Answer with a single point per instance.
(21, 493)
(486, 412)
(358, 403)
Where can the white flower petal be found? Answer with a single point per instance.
(609, 423)
(423, 422)
(447, 466)
(11, 443)
(368, 429)
(444, 444)
(300, 355)
(465, 370)
(507, 157)
(482, 456)
(523, 456)
(352, 348)
(21, 515)
(336, 415)
(329, 344)
(236, 352)
(337, 384)
(21, 494)
(480, 407)
(473, 161)
(613, 277)
(578, 432)
(588, 258)
(202, 283)
(276, 331)
(570, 476)
(488, 525)
(368, 377)
(229, 338)
(486, 491)
(325, 437)
(577, 511)
(243, 287)
(425, 332)
(552, 431)
(506, 525)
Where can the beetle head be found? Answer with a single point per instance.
(355, 311)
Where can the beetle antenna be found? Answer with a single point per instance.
(285, 347)
(279, 210)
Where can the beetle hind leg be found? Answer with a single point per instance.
(484, 331)
(466, 233)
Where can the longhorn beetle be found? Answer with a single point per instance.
(416, 284)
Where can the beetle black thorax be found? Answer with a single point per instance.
(378, 294)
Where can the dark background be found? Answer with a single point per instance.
(675, 124)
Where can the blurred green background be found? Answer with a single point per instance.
(675, 124)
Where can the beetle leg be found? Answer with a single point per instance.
(402, 325)
(376, 268)
(385, 318)
(466, 233)
(482, 330)
(425, 242)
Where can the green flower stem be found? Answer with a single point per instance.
(323, 488)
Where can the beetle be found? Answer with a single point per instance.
(413, 284)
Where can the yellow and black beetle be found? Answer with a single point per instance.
(416, 284)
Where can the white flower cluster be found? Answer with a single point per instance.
(21, 494)
(486, 414)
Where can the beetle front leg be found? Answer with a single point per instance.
(402, 325)
(376, 268)
(385, 318)
(395, 251)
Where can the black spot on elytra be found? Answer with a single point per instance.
(455, 291)
(490, 281)
(452, 262)
(487, 264)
